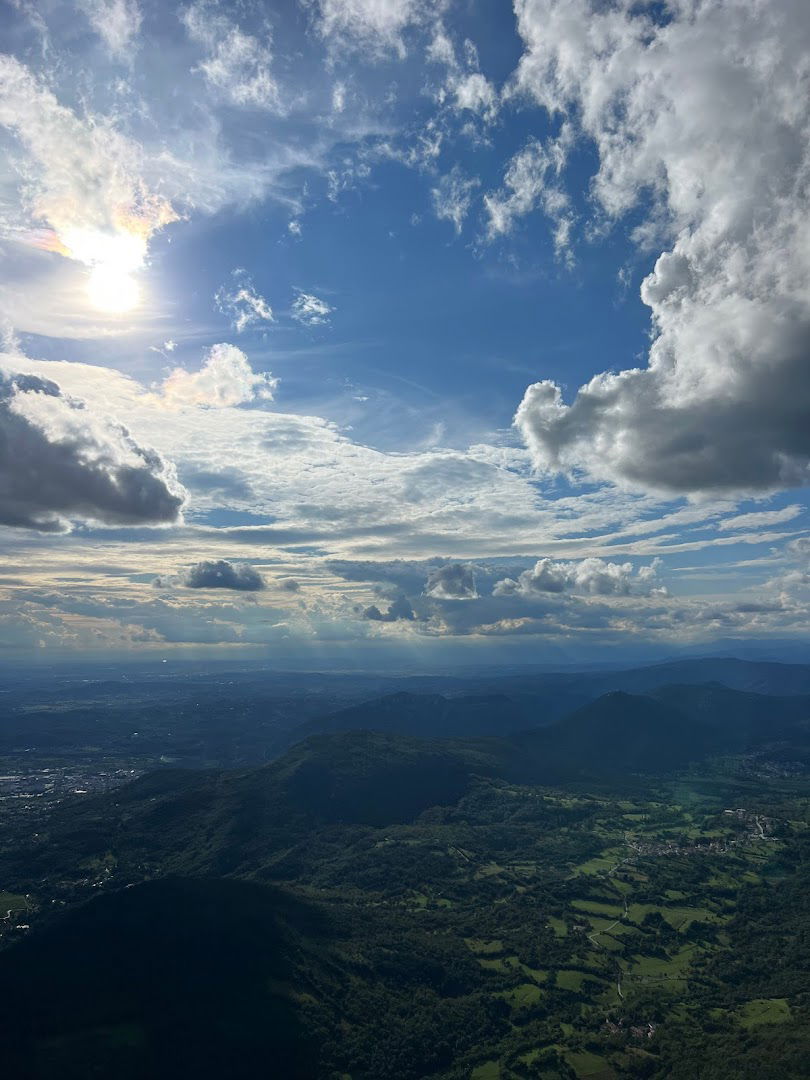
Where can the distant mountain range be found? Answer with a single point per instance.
(517, 704)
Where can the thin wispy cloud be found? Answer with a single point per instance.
(235, 64)
(117, 22)
(310, 310)
(242, 304)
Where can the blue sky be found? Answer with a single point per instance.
(381, 330)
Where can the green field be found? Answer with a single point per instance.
(765, 1011)
(490, 1070)
(524, 995)
(589, 1066)
(594, 907)
(13, 902)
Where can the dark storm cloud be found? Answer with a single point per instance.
(219, 574)
(455, 581)
(397, 609)
(59, 462)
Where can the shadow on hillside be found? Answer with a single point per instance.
(166, 979)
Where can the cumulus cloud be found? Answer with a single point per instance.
(116, 22)
(452, 197)
(225, 379)
(455, 581)
(83, 180)
(310, 310)
(61, 462)
(398, 609)
(701, 114)
(236, 65)
(241, 303)
(218, 574)
(594, 576)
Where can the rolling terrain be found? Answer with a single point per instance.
(618, 893)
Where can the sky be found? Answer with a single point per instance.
(381, 332)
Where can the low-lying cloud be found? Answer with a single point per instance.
(594, 576)
(398, 609)
(454, 581)
(219, 574)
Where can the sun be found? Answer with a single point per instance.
(113, 258)
(112, 289)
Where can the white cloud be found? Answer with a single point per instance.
(225, 380)
(760, 518)
(375, 25)
(452, 197)
(702, 113)
(533, 179)
(237, 65)
(465, 88)
(242, 304)
(117, 22)
(475, 93)
(594, 576)
(310, 310)
(323, 489)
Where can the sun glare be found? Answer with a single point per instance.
(113, 258)
(112, 289)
